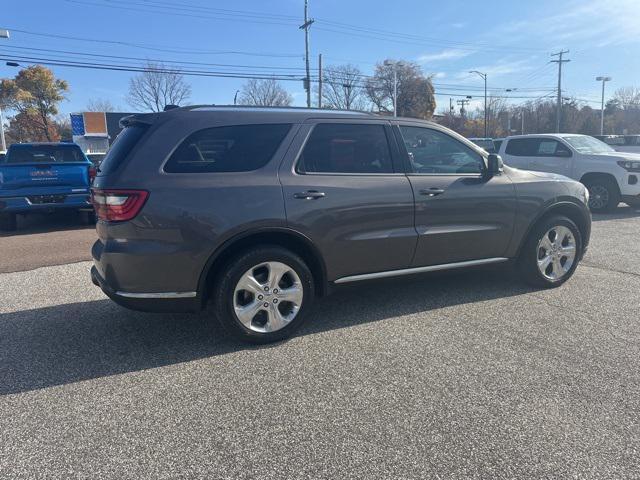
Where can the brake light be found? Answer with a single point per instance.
(118, 205)
(92, 174)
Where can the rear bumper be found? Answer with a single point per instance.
(26, 204)
(164, 302)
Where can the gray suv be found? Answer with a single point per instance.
(260, 210)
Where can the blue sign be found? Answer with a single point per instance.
(77, 124)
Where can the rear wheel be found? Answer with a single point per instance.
(551, 253)
(8, 222)
(603, 194)
(262, 296)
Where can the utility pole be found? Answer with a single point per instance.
(462, 103)
(235, 97)
(305, 26)
(450, 106)
(522, 118)
(320, 80)
(603, 80)
(560, 61)
(484, 77)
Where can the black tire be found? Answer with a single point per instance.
(233, 271)
(8, 222)
(528, 261)
(604, 195)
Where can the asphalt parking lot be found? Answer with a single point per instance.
(462, 375)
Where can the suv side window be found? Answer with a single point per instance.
(432, 151)
(522, 147)
(548, 147)
(237, 148)
(346, 148)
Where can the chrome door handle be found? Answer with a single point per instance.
(431, 192)
(309, 195)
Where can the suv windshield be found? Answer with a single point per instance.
(588, 145)
(44, 154)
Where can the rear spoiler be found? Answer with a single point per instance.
(138, 119)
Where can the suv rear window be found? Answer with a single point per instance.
(237, 148)
(45, 154)
(346, 148)
(124, 142)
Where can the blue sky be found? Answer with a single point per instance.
(509, 40)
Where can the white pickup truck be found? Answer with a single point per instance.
(610, 176)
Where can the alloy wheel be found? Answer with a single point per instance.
(268, 297)
(556, 253)
(598, 197)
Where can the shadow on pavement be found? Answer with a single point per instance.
(48, 222)
(68, 343)
(619, 213)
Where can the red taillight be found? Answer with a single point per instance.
(92, 174)
(118, 205)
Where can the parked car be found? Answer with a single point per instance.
(486, 143)
(610, 176)
(43, 177)
(622, 143)
(3, 153)
(259, 210)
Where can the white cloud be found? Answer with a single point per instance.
(439, 75)
(504, 66)
(448, 54)
(612, 22)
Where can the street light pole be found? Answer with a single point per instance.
(3, 34)
(603, 80)
(484, 77)
(395, 66)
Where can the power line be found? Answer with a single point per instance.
(186, 10)
(68, 53)
(165, 49)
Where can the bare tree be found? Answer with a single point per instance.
(628, 97)
(264, 93)
(343, 88)
(157, 87)
(101, 105)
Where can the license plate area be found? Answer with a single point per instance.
(46, 199)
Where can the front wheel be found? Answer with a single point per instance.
(603, 195)
(262, 295)
(551, 253)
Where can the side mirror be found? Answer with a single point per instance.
(494, 164)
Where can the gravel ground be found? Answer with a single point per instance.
(465, 375)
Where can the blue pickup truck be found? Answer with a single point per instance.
(44, 177)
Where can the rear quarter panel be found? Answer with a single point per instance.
(187, 215)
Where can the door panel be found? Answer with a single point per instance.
(471, 219)
(460, 213)
(361, 223)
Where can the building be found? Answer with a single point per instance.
(96, 131)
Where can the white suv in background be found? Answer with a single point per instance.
(610, 176)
